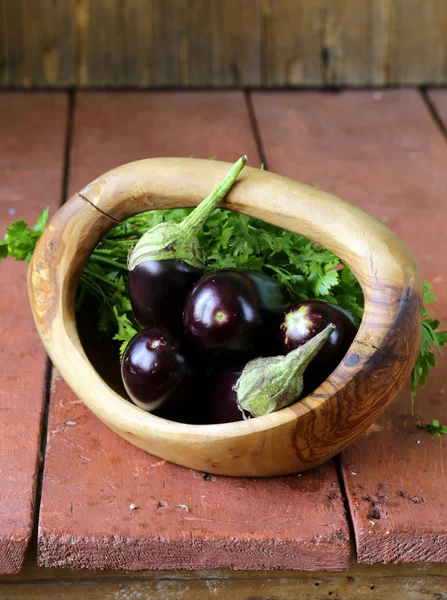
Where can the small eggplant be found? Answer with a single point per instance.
(222, 406)
(168, 260)
(235, 312)
(305, 319)
(156, 373)
(157, 290)
(264, 385)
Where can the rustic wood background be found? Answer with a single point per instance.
(222, 43)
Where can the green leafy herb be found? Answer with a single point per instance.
(42, 221)
(3, 249)
(126, 329)
(431, 339)
(435, 428)
(20, 240)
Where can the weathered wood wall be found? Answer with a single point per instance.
(222, 43)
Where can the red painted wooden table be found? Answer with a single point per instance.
(385, 495)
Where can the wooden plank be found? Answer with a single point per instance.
(384, 582)
(221, 45)
(248, 586)
(131, 43)
(156, 124)
(114, 42)
(195, 48)
(92, 476)
(291, 44)
(168, 42)
(383, 152)
(109, 43)
(323, 43)
(37, 45)
(417, 42)
(4, 53)
(32, 130)
(367, 574)
(11, 43)
(403, 483)
(236, 43)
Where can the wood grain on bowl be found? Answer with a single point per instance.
(296, 438)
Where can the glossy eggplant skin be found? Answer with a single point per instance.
(235, 312)
(156, 373)
(305, 319)
(157, 292)
(222, 403)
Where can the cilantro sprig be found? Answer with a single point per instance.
(432, 338)
(435, 428)
(230, 240)
(20, 240)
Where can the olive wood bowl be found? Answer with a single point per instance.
(293, 439)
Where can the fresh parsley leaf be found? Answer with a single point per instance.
(42, 220)
(20, 240)
(324, 281)
(126, 330)
(431, 338)
(435, 428)
(429, 295)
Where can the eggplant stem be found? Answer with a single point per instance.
(179, 241)
(298, 360)
(195, 220)
(269, 384)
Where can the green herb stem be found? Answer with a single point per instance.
(197, 218)
(95, 257)
(95, 275)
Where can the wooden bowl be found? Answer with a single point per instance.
(298, 437)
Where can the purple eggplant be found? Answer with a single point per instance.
(264, 385)
(235, 312)
(156, 373)
(305, 319)
(158, 289)
(222, 405)
(168, 259)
